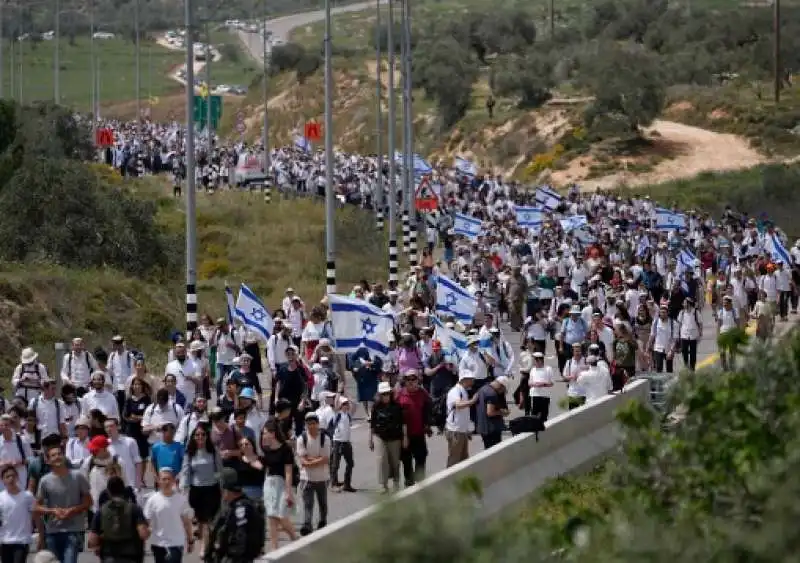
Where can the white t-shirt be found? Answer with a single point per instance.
(126, 450)
(10, 452)
(595, 383)
(165, 515)
(15, 514)
(180, 370)
(457, 419)
(540, 375)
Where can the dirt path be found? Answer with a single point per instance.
(695, 150)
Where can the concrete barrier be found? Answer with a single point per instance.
(573, 442)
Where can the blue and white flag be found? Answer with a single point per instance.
(467, 226)
(302, 143)
(667, 220)
(454, 300)
(466, 167)
(454, 344)
(231, 312)
(419, 164)
(358, 323)
(548, 198)
(777, 251)
(584, 236)
(686, 261)
(531, 218)
(574, 222)
(643, 246)
(254, 313)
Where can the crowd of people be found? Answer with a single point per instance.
(215, 454)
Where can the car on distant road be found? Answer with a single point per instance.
(103, 35)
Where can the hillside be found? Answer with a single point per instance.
(555, 111)
(240, 239)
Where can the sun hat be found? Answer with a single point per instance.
(28, 356)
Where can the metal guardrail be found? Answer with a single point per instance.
(660, 384)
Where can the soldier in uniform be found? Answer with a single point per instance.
(238, 533)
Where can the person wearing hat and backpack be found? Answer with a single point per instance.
(28, 375)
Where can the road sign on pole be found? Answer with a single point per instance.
(425, 198)
(313, 131)
(201, 110)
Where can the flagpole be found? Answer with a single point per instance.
(330, 200)
(393, 261)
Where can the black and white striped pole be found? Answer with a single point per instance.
(267, 192)
(191, 211)
(378, 196)
(393, 262)
(406, 228)
(330, 197)
(408, 135)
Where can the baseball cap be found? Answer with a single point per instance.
(97, 443)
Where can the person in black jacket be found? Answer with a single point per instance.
(386, 423)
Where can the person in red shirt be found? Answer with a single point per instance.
(417, 413)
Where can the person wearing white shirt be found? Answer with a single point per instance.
(595, 381)
(14, 450)
(342, 448)
(28, 375)
(188, 379)
(159, 413)
(278, 343)
(120, 369)
(296, 317)
(690, 331)
(226, 349)
(16, 514)
(663, 341)
(458, 427)
(78, 366)
(51, 413)
(540, 384)
(473, 363)
(99, 398)
(783, 283)
(502, 352)
(126, 451)
(77, 448)
(169, 517)
(572, 369)
(286, 304)
(727, 320)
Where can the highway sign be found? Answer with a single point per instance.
(201, 110)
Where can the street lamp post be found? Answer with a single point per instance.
(408, 127)
(191, 211)
(138, 68)
(265, 93)
(330, 200)
(393, 261)
(378, 118)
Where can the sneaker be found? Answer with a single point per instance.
(304, 531)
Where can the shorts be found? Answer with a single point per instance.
(275, 504)
(205, 501)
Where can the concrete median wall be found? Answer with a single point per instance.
(573, 442)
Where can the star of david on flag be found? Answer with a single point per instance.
(357, 324)
(254, 313)
(368, 326)
(453, 300)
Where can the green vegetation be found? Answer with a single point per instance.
(88, 253)
(117, 66)
(236, 68)
(703, 489)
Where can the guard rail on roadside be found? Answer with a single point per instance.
(574, 441)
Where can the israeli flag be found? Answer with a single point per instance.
(584, 236)
(254, 313)
(453, 300)
(686, 261)
(574, 222)
(466, 167)
(643, 246)
(548, 198)
(467, 226)
(302, 143)
(357, 322)
(777, 251)
(667, 220)
(419, 164)
(231, 312)
(454, 344)
(531, 218)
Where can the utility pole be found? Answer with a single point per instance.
(2, 60)
(330, 199)
(191, 211)
(378, 118)
(404, 132)
(393, 262)
(208, 87)
(776, 23)
(408, 133)
(265, 132)
(56, 61)
(138, 69)
(92, 69)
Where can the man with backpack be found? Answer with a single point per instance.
(119, 529)
(78, 366)
(663, 341)
(313, 453)
(239, 531)
(28, 375)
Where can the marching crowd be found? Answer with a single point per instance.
(104, 454)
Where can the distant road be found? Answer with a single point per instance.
(282, 27)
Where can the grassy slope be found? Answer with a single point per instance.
(239, 239)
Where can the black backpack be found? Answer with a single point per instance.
(256, 528)
(117, 524)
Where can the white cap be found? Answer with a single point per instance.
(502, 380)
(384, 387)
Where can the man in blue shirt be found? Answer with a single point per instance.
(167, 453)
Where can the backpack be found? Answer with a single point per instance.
(322, 435)
(439, 412)
(116, 522)
(334, 423)
(114, 461)
(256, 528)
(58, 409)
(69, 364)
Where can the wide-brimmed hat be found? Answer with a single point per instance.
(28, 356)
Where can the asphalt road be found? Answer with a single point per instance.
(282, 27)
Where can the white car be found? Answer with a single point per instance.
(103, 35)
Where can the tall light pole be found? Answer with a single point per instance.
(92, 67)
(2, 60)
(330, 198)
(378, 119)
(776, 23)
(408, 127)
(393, 262)
(208, 86)
(265, 93)
(138, 68)
(404, 132)
(191, 211)
(56, 61)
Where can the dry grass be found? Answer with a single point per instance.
(240, 239)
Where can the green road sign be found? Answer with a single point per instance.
(201, 110)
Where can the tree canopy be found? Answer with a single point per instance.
(719, 485)
(60, 210)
